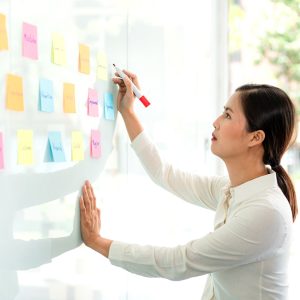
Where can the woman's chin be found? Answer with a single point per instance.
(214, 150)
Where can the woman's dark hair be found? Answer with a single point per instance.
(270, 109)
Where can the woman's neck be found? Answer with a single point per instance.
(242, 171)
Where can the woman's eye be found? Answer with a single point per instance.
(226, 115)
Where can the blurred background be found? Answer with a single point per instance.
(190, 56)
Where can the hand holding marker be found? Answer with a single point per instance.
(136, 91)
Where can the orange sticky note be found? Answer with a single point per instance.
(25, 149)
(84, 59)
(69, 98)
(14, 93)
(3, 33)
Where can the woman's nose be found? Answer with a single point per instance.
(216, 123)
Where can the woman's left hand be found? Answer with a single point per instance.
(90, 222)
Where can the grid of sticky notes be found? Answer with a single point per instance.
(14, 97)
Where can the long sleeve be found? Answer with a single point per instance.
(239, 242)
(247, 254)
(199, 190)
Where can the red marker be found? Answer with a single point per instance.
(136, 91)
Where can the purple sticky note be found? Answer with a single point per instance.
(92, 103)
(29, 44)
(1, 152)
(95, 144)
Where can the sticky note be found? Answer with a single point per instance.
(58, 52)
(14, 93)
(84, 59)
(92, 103)
(25, 152)
(3, 33)
(69, 98)
(1, 152)
(46, 101)
(55, 146)
(29, 42)
(95, 146)
(77, 146)
(101, 66)
(109, 111)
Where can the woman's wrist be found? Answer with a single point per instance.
(101, 245)
(132, 123)
(127, 113)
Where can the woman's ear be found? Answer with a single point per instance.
(257, 137)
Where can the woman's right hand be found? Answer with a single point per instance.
(126, 98)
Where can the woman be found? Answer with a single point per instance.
(247, 253)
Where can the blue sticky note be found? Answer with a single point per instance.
(57, 153)
(109, 110)
(46, 101)
(48, 157)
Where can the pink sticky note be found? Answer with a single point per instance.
(29, 37)
(92, 103)
(1, 152)
(95, 144)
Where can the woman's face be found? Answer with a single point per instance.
(230, 138)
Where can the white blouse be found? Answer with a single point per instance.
(247, 253)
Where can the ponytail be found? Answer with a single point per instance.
(286, 185)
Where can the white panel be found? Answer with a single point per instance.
(39, 204)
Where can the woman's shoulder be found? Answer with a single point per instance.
(272, 204)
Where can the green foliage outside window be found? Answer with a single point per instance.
(280, 44)
(277, 39)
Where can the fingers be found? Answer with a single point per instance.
(81, 204)
(90, 222)
(125, 98)
(91, 195)
(118, 81)
(124, 84)
(88, 199)
(85, 200)
(128, 84)
(133, 77)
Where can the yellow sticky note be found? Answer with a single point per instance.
(58, 53)
(84, 59)
(3, 33)
(14, 93)
(69, 98)
(77, 146)
(102, 66)
(25, 152)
